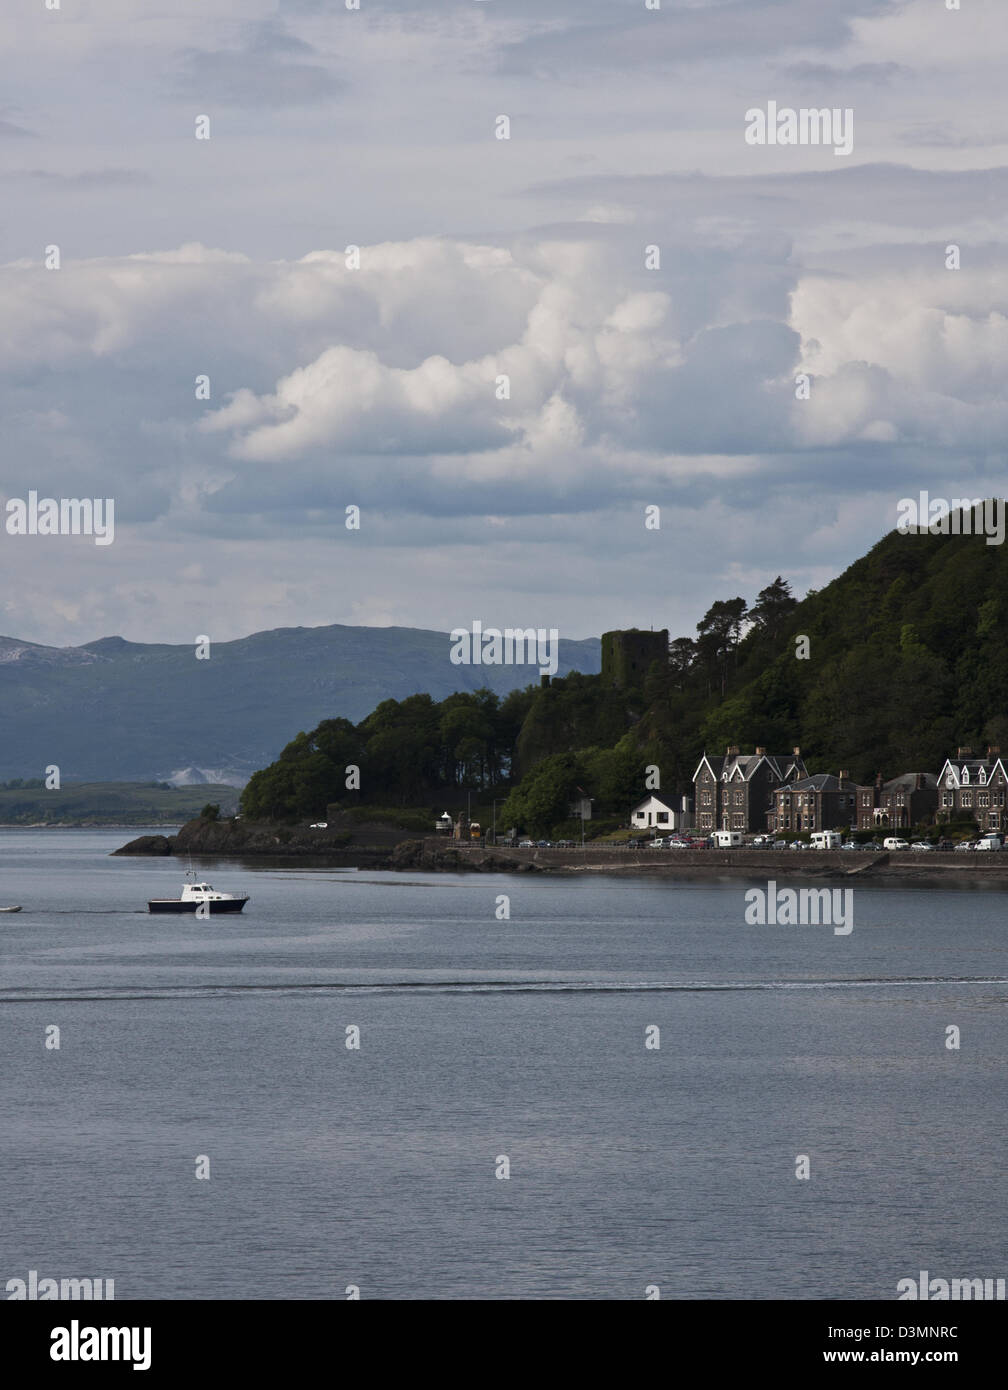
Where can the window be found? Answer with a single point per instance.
(948, 799)
(705, 798)
(965, 777)
(738, 822)
(967, 800)
(663, 817)
(983, 778)
(983, 799)
(740, 798)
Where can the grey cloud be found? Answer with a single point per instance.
(265, 71)
(14, 131)
(876, 73)
(86, 179)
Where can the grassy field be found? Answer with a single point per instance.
(111, 803)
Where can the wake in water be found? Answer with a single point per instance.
(35, 995)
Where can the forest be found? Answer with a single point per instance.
(887, 669)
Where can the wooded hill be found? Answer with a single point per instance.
(889, 668)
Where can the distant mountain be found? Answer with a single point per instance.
(132, 711)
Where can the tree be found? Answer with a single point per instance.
(211, 811)
(719, 631)
(772, 607)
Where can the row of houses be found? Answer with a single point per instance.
(763, 791)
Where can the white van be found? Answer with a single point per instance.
(988, 842)
(727, 839)
(826, 839)
(894, 842)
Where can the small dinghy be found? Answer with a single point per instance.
(11, 909)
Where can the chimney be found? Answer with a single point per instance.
(797, 752)
(732, 750)
(844, 776)
(919, 782)
(964, 752)
(993, 751)
(760, 751)
(878, 781)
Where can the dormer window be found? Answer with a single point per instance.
(965, 776)
(983, 778)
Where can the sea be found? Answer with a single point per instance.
(412, 1086)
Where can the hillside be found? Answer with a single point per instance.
(110, 803)
(895, 663)
(130, 711)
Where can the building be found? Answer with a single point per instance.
(736, 792)
(820, 802)
(628, 656)
(443, 824)
(654, 814)
(580, 805)
(904, 801)
(969, 787)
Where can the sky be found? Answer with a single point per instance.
(634, 381)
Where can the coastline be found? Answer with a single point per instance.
(382, 847)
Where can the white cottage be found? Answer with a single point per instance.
(655, 814)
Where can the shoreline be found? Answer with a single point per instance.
(432, 855)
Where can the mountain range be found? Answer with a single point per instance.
(113, 710)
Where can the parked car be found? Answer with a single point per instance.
(964, 846)
(544, 844)
(319, 825)
(894, 842)
(796, 844)
(945, 844)
(526, 844)
(850, 844)
(922, 845)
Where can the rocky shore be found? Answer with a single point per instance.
(381, 846)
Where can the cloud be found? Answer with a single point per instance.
(268, 68)
(86, 180)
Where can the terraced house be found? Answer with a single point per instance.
(820, 802)
(969, 786)
(736, 792)
(903, 801)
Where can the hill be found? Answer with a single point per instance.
(133, 711)
(110, 803)
(887, 669)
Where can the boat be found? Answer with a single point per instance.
(11, 909)
(200, 895)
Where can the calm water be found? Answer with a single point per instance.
(481, 1038)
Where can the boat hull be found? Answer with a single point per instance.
(217, 906)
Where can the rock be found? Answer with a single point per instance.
(148, 844)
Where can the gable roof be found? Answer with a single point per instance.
(974, 766)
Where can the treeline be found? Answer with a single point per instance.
(405, 752)
(889, 668)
